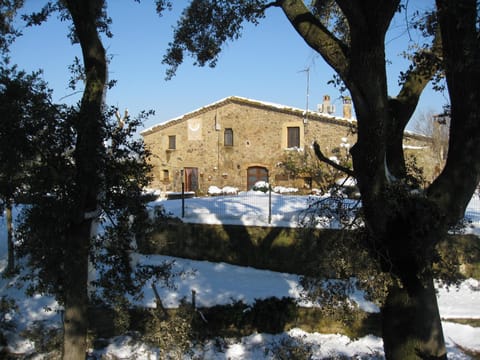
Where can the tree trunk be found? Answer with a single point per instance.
(411, 324)
(404, 237)
(76, 298)
(410, 317)
(89, 179)
(11, 252)
(454, 187)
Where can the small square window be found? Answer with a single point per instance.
(228, 137)
(172, 142)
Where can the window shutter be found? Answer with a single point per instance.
(293, 139)
(228, 137)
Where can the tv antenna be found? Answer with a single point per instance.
(307, 70)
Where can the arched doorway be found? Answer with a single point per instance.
(256, 173)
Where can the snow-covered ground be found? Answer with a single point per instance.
(219, 283)
(251, 208)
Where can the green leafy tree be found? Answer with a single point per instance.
(26, 108)
(123, 219)
(402, 227)
(83, 194)
(8, 33)
(88, 18)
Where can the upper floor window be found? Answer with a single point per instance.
(293, 136)
(228, 137)
(172, 142)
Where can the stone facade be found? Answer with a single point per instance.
(237, 141)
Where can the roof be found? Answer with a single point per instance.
(313, 115)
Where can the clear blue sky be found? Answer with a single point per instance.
(265, 64)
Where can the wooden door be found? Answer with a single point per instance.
(254, 174)
(191, 179)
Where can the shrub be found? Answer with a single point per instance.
(222, 319)
(291, 349)
(173, 334)
(261, 186)
(270, 315)
(48, 339)
(7, 307)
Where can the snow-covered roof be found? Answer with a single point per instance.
(412, 147)
(251, 102)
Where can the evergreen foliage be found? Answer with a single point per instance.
(173, 335)
(270, 315)
(27, 113)
(8, 33)
(7, 307)
(124, 216)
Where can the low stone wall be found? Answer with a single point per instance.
(292, 250)
(279, 249)
(273, 248)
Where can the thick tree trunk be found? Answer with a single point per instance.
(397, 222)
(88, 159)
(454, 187)
(76, 298)
(411, 324)
(403, 230)
(410, 317)
(11, 252)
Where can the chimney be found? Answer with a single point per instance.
(326, 107)
(347, 107)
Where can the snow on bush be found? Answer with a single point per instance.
(284, 190)
(262, 186)
(214, 190)
(226, 190)
(229, 190)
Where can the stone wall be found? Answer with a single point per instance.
(293, 250)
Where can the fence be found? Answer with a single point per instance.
(254, 208)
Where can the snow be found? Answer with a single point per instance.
(209, 282)
(220, 283)
(350, 182)
(460, 303)
(284, 190)
(226, 190)
(248, 208)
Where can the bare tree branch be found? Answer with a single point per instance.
(333, 164)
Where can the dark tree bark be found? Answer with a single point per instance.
(414, 330)
(453, 188)
(403, 227)
(11, 247)
(398, 233)
(88, 157)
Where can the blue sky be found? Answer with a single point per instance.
(265, 64)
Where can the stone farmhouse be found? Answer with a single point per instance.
(238, 141)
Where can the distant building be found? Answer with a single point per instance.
(238, 141)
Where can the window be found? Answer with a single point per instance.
(228, 137)
(172, 143)
(293, 137)
(166, 175)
